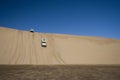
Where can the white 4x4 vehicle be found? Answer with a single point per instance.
(43, 42)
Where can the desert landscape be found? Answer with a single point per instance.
(24, 47)
(66, 57)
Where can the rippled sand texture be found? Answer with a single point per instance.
(23, 47)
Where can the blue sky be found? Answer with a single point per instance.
(76, 17)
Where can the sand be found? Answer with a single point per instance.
(23, 47)
(61, 72)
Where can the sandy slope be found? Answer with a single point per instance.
(22, 47)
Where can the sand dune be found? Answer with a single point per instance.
(23, 47)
